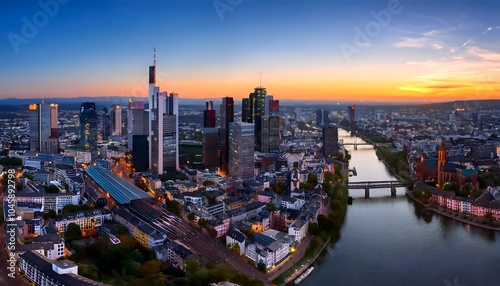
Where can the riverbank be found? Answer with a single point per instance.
(458, 216)
(307, 264)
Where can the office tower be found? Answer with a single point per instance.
(34, 123)
(322, 117)
(258, 109)
(137, 121)
(246, 110)
(274, 106)
(140, 160)
(330, 141)
(88, 125)
(39, 123)
(226, 117)
(210, 146)
(115, 116)
(209, 115)
(164, 127)
(54, 120)
(351, 112)
(274, 141)
(105, 124)
(241, 150)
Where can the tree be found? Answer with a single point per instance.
(174, 207)
(312, 179)
(191, 216)
(279, 188)
(329, 177)
(49, 214)
(488, 216)
(51, 189)
(88, 270)
(73, 231)
(262, 267)
(270, 206)
(202, 222)
(192, 265)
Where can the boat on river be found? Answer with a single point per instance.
(303, 275)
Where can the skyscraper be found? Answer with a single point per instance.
(322, 118)
(116, 120)
(39, 122)
(54, 120)
(209, 115)
(258, 109)
(164, 127)
(210, 146)
(351, 112)
(226, 117)
(105, 124)
(241, 150)
(330, 141)
(88, 125)
(137, 121)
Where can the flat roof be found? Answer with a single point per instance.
(120, 190)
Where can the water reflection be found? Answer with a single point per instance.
(422, 212)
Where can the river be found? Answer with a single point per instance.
(393, 241)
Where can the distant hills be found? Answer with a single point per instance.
(101, 102)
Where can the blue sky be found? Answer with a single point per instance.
(302, 48)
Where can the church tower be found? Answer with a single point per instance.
(441, 164)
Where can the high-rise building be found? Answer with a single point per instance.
(258, 109)
(115, 115)
(140, 161)
(39, 122)
(351, 112)
(246, 110)
(330, 141)
(210, 146)
(322, 118)
(137, 121)
(164, 127)
(54, 120)
(241, 150)
(105, 124)
(226, 117)
(88, 125)
(209, 115)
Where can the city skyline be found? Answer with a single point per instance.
(385, 51)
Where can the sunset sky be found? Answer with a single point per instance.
(351, 50)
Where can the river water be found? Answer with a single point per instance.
(393, 241)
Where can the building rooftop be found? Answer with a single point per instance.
(120, 190)
(44, 265)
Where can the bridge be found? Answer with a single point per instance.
(367, 142)
(367, 185)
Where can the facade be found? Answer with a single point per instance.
(210, 147)
(39, 123)
(88, 125)
(164, 127)
(49, 201)
(88, 221)
(241, 150)
(54, 119)
(226, 117)
(270, 247)
(209, 115)
(298, 229)
(137, 122)
(139, 161)
(145, 234)
(115, 116)
(330, 141)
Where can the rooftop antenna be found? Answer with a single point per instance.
(260, 79)
(154, 64)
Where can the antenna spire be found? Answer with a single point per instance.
(154, 57)
(260, 79)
